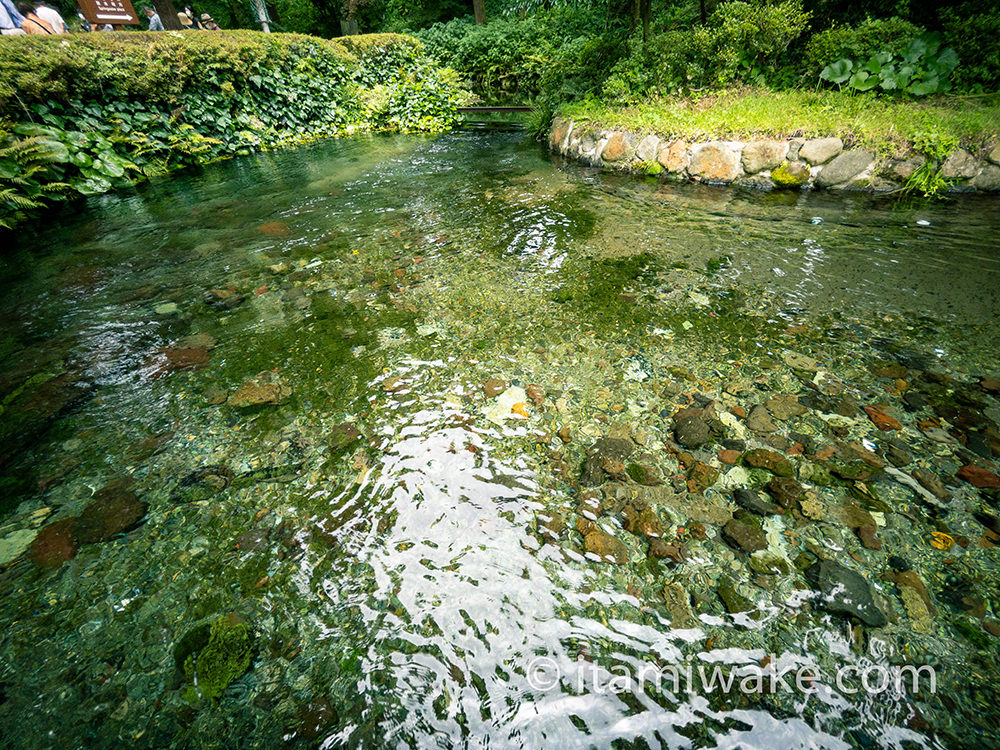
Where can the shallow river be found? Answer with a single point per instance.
(436, 442)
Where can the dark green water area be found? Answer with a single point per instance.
(436, 442)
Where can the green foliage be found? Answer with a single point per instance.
(975, 36)
(223, 658)
(107, 110)
(927, 179)
(923, 68)
(743, 43)
(874, 35)
(26, 174)
(556, 54)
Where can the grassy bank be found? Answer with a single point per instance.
(888, 127)
(83, 114)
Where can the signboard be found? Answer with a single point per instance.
(115, 12)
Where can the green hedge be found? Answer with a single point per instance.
(86, 113)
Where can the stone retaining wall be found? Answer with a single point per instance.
(797, 163)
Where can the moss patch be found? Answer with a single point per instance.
(211, 657)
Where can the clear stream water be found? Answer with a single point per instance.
(410, 584)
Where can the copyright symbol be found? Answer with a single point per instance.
(543, 673)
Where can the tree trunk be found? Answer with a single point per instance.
(704, 13)
(168, 15)
(479, 9)
(646, 10)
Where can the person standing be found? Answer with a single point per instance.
(208, 24)
(51, 16)
(10, 19)
(32, 23)
(155, 24)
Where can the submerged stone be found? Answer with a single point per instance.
(761, 458)
(692, 432)
(845, 592)
(605, 547)
(265, 388)
(678, 605)
(744, 535)
(604, 451)
(114, 508)
(212, 656)
(753, 502)
(55, 544)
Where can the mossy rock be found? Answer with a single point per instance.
(212, 655)
(790, 174)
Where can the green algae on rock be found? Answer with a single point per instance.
(212, 655)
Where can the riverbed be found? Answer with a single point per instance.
(443, 442)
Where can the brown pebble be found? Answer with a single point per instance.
(494, 386)
(565, 435)
(992, 627)
(867, 536)
(536, 393)
(729, 457)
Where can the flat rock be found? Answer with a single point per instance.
(494, 386)
(673, 157)
(744, 536)
(678, 606)
(959, 165)
(920, 617)
(661, 549)
(784, 406)
(715, 162)
(845, 592)
(988, 179)
(798, 361)
(734, 602)
(848, 166)
(765, 154)
(224, 299)
(114, 509)
(648, 148)
(786, 491)
(605, 547)
(752, 501)
(14, 544)
(761, 458)
(641, 520)
(692, 432)
(820, 150)
(54, 544)
(759, 420)
(264, 388)
(932, 483)
(881, 418)
(979, 477)
(620, 146)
